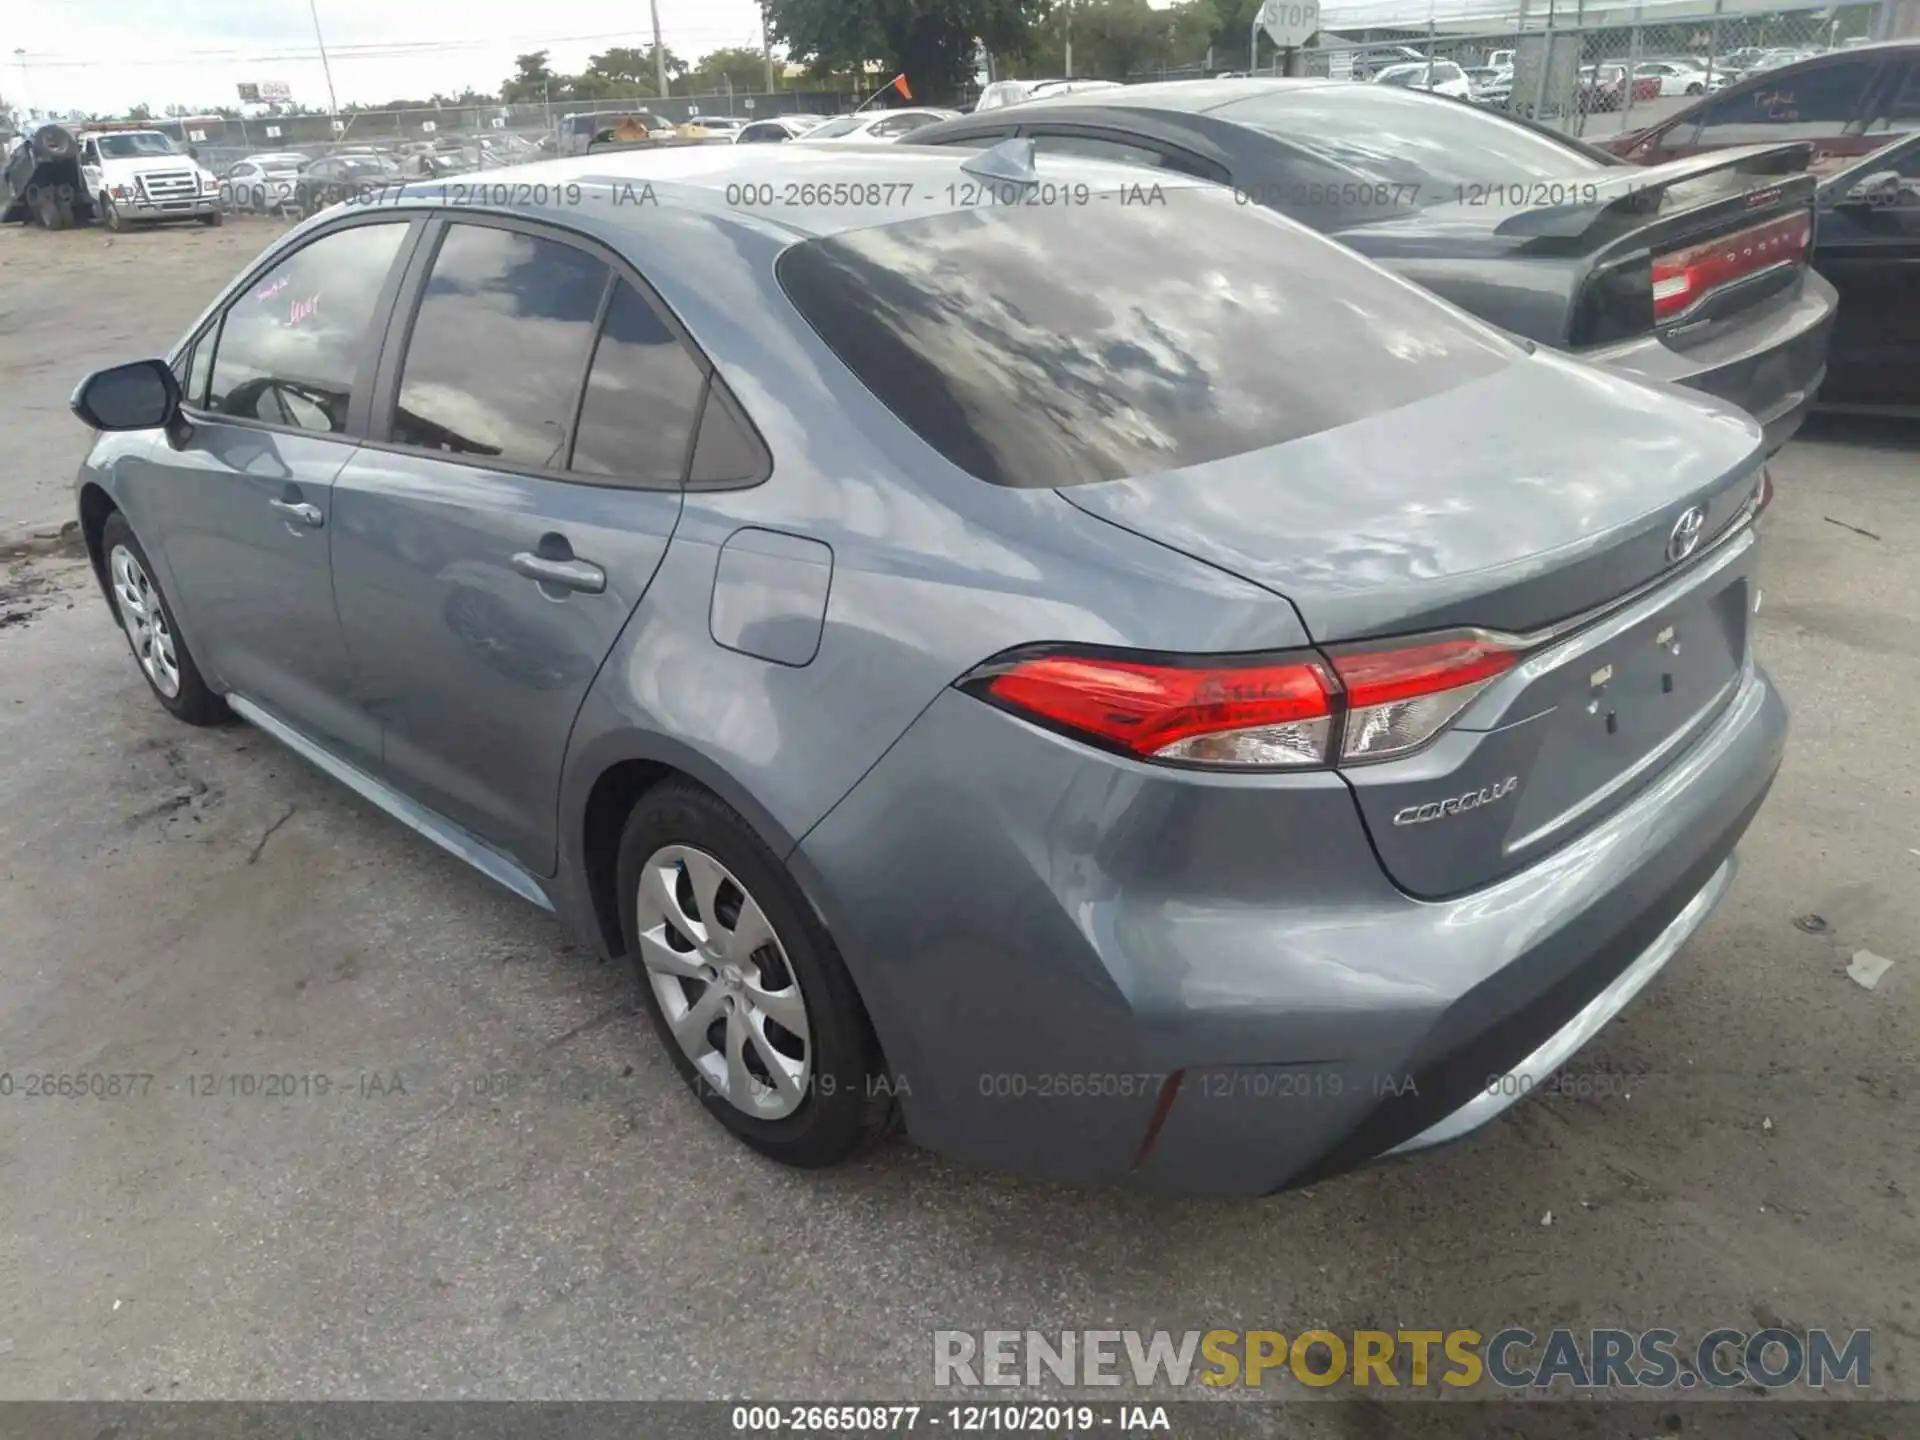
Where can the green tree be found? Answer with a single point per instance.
(933, 42)
(531, 80)
(740, 69)
(1231, 33)
(142, 111)
(631, 66)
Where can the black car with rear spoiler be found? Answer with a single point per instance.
(1693, 272)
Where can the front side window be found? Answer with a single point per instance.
(289, 347)
(1031, 348)
(498, 347)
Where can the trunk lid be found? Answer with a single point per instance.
(1540, 502)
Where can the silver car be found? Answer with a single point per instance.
(1080, 678)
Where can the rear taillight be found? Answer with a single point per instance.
(1399, 699)
(1763, 492)
(1265, 714)
(1684, 277)
(1274, 712)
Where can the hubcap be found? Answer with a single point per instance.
(724, 982)
(145, 621)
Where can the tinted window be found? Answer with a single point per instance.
(289, 346)
(498, 347)
(643, 396)
(768, 133)
(843, 125)
(1033, 348)
(1789, 105)
(1422, 151)
(1900, 112)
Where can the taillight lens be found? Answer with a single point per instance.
(1399, 699)
(1281, 712)
(1684, 277)
(1763, 492)
(1277, 713)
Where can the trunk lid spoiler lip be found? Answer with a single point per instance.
(1614, 189)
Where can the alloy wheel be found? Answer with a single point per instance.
(724, 982)
(145, 621)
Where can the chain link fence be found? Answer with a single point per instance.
(1593, 70)
(493, 134)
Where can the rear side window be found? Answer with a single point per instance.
(498, 347)
(1899, 112)
(1808, 105)
(642, 399)
(1032, 347)
(289, 346)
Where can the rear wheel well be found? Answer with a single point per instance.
(95, 507)
(612, 799)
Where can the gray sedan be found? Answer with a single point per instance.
(1145, 728)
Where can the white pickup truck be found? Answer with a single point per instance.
(139, 175)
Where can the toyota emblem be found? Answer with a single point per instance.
(1684, 538)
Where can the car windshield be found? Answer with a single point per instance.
(1427, 150)
(841, 125)
(1032, 348)
(138, 142)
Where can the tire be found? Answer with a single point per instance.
(825, 1112)
(1696, 89)
(178, 687)
(215, 219)
(110, 215)
(51, 211)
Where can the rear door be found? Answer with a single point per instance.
(533, 424)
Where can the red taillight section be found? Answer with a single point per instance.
(1261, 714)
(1682, 278)
(1272, 713)
(1763, 492)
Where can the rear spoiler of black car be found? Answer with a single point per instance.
(1569, 209)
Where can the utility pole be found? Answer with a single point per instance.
(1066, 18)
(333, 105)
(766, 48)
(659, 55)
(26, 97)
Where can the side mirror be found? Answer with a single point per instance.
(1876, 191)
(143, 395)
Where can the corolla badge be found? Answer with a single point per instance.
(1456, 804)
(1684, 538)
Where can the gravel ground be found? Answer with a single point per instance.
(182, 903)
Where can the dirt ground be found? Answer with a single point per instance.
(182, 902)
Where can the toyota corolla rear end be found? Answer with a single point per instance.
(1221, 917)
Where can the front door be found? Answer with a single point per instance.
(522, 480)
(1868, 245)
(245, 501)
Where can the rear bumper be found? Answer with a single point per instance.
(1770, 364)
(1094, 971)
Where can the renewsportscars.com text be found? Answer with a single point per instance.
(1513, 1358)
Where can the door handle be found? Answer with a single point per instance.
(308, 515)
(581, 575)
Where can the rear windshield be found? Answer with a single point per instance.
(1416, 149)
(1047, 345)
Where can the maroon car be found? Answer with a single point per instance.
(1847, 102)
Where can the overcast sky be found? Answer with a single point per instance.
(108, 55)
